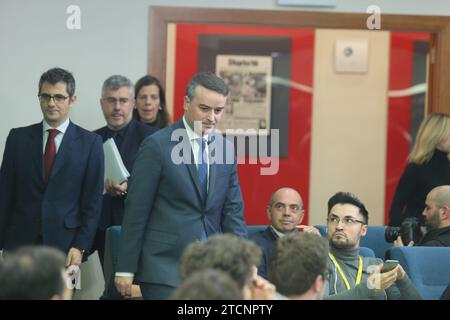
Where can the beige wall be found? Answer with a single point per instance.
(348, 151)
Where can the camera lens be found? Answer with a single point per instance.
(391, 233)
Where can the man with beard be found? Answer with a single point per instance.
(285, 212)
(351, 275)
(437, 219)
(117, 104)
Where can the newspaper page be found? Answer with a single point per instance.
(248, 78)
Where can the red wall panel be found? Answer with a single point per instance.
(294, 169)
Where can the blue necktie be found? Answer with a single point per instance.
(202, 168)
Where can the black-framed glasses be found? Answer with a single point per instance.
(57, 98)
(347, 221)
(113, 101)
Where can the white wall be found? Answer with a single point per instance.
(112, 40)
(348, 145)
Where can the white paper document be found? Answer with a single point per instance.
(115, 170)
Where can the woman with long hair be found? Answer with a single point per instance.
(429, 167)
(151, 102)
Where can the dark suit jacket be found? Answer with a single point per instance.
(266, 240)
(164, 209)
(66, 210)
(135, 133)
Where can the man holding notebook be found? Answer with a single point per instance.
(117, 104)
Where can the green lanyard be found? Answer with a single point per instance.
(358, 277)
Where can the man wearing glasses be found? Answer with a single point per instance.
(117, 102)
(285, 212)
(51, 178)
(352, 276)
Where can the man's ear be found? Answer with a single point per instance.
(364, 230)
(72, 100)
(318, 284)
(268, 214)
(186, 103)
(445, 213)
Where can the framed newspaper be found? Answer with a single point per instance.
(249, 102)
(257, 70)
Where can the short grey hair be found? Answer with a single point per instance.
(116, 82)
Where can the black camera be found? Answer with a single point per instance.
(409, 231)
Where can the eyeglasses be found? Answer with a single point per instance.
(347, 221)
(57, 98)
(113, 101)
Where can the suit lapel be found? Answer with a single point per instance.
(64, 151)
(188, 159)
(35, 146)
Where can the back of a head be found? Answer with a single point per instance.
(32, 273)
(235, 256)
(296, 262)
(208, 284)
(348, 198)
(209, 81)
(432, 131)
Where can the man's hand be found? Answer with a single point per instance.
(74, 257)
(400, 272)
(399, 242)
(123, 285)
(261, 289)
(114, 189)
(382, 281)
(309, 229)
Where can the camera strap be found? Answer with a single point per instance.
(359, 275)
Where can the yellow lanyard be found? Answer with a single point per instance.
(358, 277)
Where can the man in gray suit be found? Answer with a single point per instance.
(183, 188)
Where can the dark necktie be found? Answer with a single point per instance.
(202, 169)
(116, 135)
(50, 152)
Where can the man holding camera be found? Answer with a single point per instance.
(352, 276)
(437, 219)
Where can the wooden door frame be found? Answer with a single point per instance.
(438, 94)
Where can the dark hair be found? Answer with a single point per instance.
(162, 117)
(208, 284)
(296, 262)
(207, 80)
(348, 198)
(226, 252)
(55, 75)
(32, 273)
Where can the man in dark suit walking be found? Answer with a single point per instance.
(117, 104)
(173, 201)
(285, 213)
(51, 178)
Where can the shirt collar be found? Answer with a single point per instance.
(61, 128)
(192, 135)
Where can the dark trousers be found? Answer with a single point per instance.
(151, 291)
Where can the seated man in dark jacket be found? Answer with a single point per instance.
(285, 213)
(437, 219)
